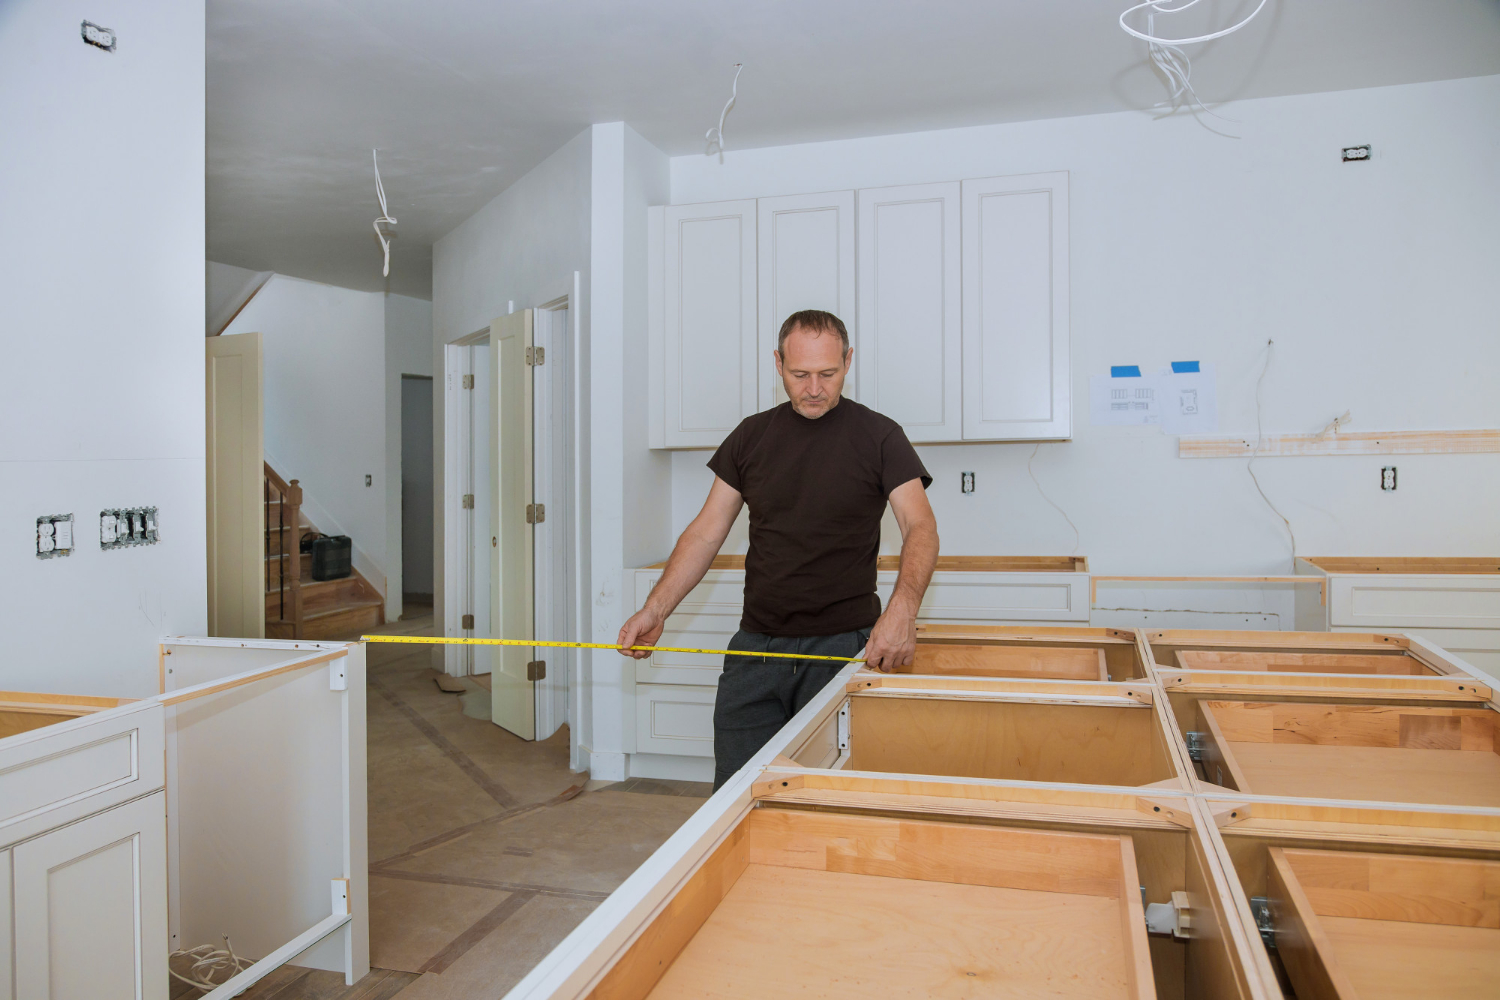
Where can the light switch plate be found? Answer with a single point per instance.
(127, 527)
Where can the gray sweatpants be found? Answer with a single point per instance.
(758, 695)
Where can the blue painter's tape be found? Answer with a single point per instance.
(1179, 367)
(1124, 371)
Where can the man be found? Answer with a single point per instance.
(817, 472)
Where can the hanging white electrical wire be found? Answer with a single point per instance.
(1166, 53)
(209, 961)
(1255, 452)
(715, 136)
(385, 216)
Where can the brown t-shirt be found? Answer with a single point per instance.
(817, 490)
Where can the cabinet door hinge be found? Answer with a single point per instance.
(536, 513)
(468, 501)
(536, 670)
(468, 381)
(467, 621)
(536, 355)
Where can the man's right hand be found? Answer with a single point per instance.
(643, 629)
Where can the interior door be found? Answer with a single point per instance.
(513, 691)
(236, 493)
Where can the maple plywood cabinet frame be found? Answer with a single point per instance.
(854, 885)
(1453, 601)
(1366, 903)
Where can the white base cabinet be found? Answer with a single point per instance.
(1453, 602)
(90, 905)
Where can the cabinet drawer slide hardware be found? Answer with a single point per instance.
(1194, 745)
(1260, 908)
(843, 728)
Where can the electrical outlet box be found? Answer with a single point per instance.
(54, 536)
(369, 480)
(100, 38)
(1356, 154)
(1388, 477)
(967, 482)
(126, 527)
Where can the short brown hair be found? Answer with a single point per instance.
(814, 321)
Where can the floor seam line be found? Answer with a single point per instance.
(481, 929)
(465, 763)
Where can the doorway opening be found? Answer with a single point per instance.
(416, 495)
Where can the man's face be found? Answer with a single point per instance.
(812, 367)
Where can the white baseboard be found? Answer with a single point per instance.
(604, 766)
(671, 766)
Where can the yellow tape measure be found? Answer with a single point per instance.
(445, 641)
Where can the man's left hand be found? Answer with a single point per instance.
(892, 642)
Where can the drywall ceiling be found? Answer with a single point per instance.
(463, 97)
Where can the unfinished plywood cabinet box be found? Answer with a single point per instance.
(1366, 904)
(1378, 717)
(991, 843)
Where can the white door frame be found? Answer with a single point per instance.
(555, 541)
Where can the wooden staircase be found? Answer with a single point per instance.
(297, 606)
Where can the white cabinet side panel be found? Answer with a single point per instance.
(7, 940)
(910, 307)
(1015, 316)
(709, 305)
(806, 249)
(91, 907)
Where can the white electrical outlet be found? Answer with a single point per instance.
(54, 536)
(122, 528)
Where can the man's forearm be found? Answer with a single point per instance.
(919, 552)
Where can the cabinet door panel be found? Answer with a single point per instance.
(1015, 315)
(909, 357)
(709, 313)
(806, 245)
(91, 907)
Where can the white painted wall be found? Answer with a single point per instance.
(101, 276)
(408, 351)
(1376, 280)
(325, 406)
(227, 289)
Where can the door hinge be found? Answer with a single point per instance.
(536, 355)
(536, 513)
(468, 381)
(468, 501)
(536, 670)
(467, 621)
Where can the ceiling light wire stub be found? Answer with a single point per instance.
(384, 235)
(715, 135)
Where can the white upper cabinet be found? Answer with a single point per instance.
(909, 356)
(706, 335)
(806, 246)
(1015, 315)
(955, 296)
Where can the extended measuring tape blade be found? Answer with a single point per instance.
(451, 641)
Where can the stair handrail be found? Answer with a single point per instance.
(289, 573)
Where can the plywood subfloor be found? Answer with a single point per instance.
(796, 932)
(1394, 960)
(1386, 774)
